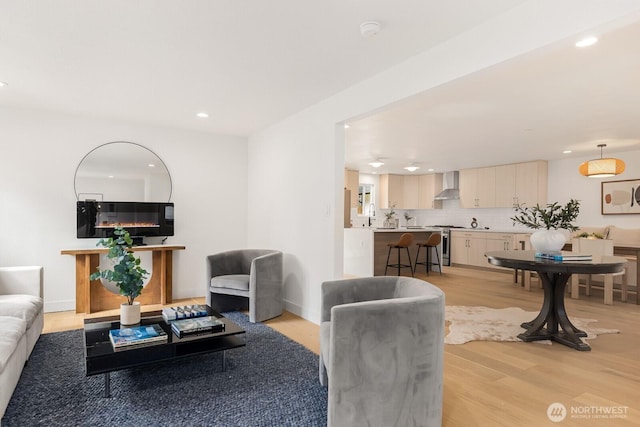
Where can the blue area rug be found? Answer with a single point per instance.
(273, 381)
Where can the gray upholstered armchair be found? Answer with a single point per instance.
(381, 351)
(247, 277)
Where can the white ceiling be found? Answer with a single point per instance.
(531, 107)
(248, 63)
(251, 63)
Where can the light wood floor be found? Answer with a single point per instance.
(511, 384)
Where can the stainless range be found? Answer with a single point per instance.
(446, 242)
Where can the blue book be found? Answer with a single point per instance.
(563, 256)
(137, 335)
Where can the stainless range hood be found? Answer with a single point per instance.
(450, 187)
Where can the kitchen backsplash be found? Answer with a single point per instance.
(496, 219)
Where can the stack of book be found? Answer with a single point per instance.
(126, 338)
(183, 312)
(198, 325)
(564, 256)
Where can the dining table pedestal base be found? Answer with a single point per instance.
(552, 322)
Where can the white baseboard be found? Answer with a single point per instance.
(64, 305)
(310, 315)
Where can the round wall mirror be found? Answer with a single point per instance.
(124, 172)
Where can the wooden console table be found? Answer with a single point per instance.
(91, 296)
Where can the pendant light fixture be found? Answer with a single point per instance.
(602, 167)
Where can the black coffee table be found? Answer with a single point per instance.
(100, 357)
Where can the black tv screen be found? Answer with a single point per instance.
(141, 219)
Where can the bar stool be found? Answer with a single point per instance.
(432, 242)
(404, 242)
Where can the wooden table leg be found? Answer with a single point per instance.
(85, 265)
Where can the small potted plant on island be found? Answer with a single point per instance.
(389, 221)
(126, 273)
(548, 221)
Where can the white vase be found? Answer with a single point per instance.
(129, 314)
(546, 241)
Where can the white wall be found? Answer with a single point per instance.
(565, 183)
(39, 155)
(300, 209)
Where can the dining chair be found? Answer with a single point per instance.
(596, 247)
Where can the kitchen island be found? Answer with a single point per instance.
(365, 249)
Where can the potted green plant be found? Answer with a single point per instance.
(127, 273)
(389, 221)
(548, 220)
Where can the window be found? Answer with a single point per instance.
(366, 199)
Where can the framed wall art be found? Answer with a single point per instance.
(621, 197)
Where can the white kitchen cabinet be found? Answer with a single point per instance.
(500, 241)
(411, 192)
(467, 185)
(468, 248)
(504, 186)
(531, 183)
(351, 183)
(521, 183)
(429, 186)
(478, 188)
(391, 191)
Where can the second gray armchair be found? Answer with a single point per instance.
(381, 352)
(246, 278)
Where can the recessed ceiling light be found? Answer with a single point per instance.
(4, 84)
(346, 126)
(376, 163)
(151, 165)
(412, 168)
(567, 152)
(430, 170)
(588, 41)
(202, 115)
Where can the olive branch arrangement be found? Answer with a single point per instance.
(553, 216)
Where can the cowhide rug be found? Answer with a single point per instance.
(500, 324)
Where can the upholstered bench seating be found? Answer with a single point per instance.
(21, 320)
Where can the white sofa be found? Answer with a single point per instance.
(22, 320)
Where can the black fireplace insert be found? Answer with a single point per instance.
(141, 219)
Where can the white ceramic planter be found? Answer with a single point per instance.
(546, 241)
(130, 314)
